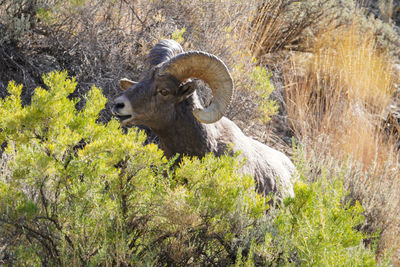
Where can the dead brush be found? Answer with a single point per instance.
(336, 105)
(283, 24)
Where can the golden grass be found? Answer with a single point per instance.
(280, 25)
(336, 106)
(267, 28)
(343, 94)
(360, 68)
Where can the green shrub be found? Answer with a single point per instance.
(72, 196)
(264, 87)
(317, 229)
(77, 192)
(257, 82)
(177, 35)
(318, 226)
(19, 17)
(81, 192)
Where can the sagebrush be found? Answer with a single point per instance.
(76, 191)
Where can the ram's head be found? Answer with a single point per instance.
(152, 101)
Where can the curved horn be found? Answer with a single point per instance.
(210, 69)
(164, 50)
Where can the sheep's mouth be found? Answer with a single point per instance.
(123, 117)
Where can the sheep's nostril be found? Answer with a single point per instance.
(119, 105)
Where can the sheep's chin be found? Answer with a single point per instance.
(128, 122)
(125, 120)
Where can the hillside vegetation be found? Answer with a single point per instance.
(316, 79)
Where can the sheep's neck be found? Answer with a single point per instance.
(186, 136)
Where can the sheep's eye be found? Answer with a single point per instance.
(164, 92)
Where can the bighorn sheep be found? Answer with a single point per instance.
(165, 100)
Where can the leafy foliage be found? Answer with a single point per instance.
(317, 227)
(64, 170)
(177, 35)
(264, 87)
(255, 80)
(77, 192)
(81, 190)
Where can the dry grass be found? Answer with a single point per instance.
(336, 105)
(287, 25)
(343, 94)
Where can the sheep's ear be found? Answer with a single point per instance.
(186, 89)
(125, 83)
